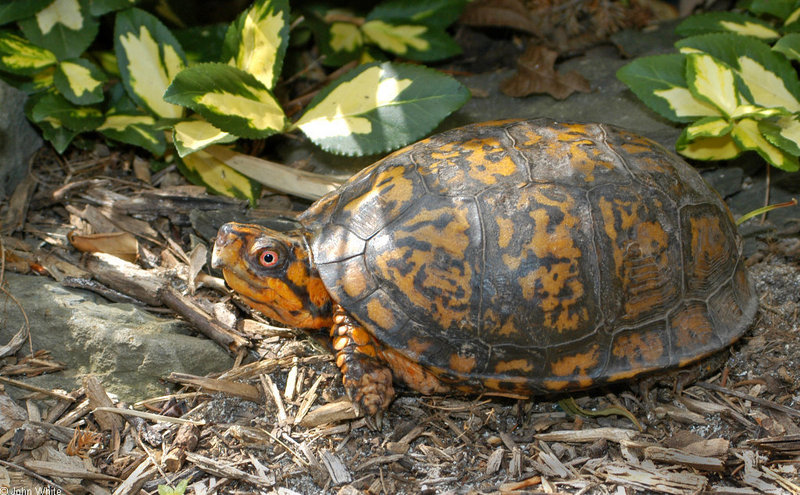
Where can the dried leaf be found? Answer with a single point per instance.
(536, 74)
(120, 244)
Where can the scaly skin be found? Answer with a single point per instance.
(290, 291)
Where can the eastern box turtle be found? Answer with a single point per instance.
(520, 257)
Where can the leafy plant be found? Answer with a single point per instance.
(732, 82)
(410, 29)
(140, 91)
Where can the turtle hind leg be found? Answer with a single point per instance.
(366, 379)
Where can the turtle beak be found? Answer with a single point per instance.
(225, 236)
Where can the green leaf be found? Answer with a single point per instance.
(229, 98)
(80, 81)
(64, 27)
(58, 111)
(52, 130)
(660, 82)
(783, 132)
(778, 8)
(726, 22)
(14, 10)
(789, 46)
(712, 81)
(203, 169)
(256, 42)
(747, 135)
(101, 7)
(202, 43)
(412, 41)
(711, 148)
(437, 14)
(792, 23)
(149, 58)
(379, 107)
(193, 135)
(19, 56)
(765, 78)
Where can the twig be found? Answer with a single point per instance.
(150, 416)
(742, 395)
(34, 475)
(33, 388)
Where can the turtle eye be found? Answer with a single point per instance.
(268, 258)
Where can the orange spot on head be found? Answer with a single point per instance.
(317, 293)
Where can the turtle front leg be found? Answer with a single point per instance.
(368, 382)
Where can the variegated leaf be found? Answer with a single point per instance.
(11, 10)
(58, 111)
(764, 77)
(748, 136)
(727, 22)
(229, 98)
(412, 41)
(205, 170)
(436, 14)
(256, 42)
(708, 148)
(712, 81)
(379, 107)
(80, 81)
(193, 135)
(149, 58)
(137, 129)
(708, 127)
(659, 81)
(64, 27)
(19, 56)
(783, 132)
(789, 46)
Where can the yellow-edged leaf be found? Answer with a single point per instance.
(767, 88)
(793, 17)
(122, 122)
(263, 111)
(790, 129)
(684, 104)
(396, 38)
(712, 148)
(341, 112)
(712, 81)
(214, 174)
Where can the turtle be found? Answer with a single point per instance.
(520, 258)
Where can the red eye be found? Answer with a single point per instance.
(268, 258)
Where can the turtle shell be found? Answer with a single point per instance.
(534, 256)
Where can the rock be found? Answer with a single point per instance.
(127, 348)
(18, 140)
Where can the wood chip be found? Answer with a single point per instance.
(610, 434)
(654, 480)
(494, 461)
(99, 398)
(48, 468)
(220, 468)
(333, 412)
(675, 456)
(336, 468)
(238, 389)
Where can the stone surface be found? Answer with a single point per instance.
(127, 348)
(18, 140)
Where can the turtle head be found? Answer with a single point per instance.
(273, 273)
